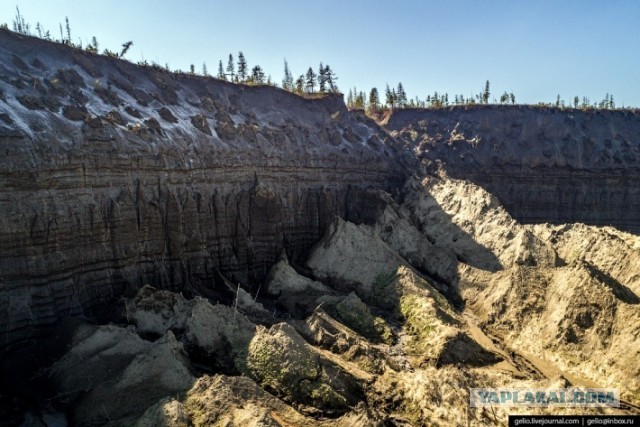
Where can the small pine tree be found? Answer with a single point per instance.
(401, 99)
(257, 75)
(66, 19)
(374, 100)
(361, 100)
(125, 48)
(205, 72)
(17, 22)
(231, 68)
(486, 93)
(389, 97)
(242, 67)
(192, 69)
(330, 78)
(287, 80)
(94, 43)
(221, 74)
(300, 84)
(310, 80)
(322, 80)
(350, 99)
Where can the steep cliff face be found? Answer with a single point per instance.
(544, 164)
(113, 175)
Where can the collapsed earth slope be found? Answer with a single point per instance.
(545, 164)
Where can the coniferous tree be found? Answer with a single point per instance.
(401, 98)
(205, 72)
(330, 78)
(576, 101)
(310, 81)
(350, 99)
(94, 43)
(389, 97)
(513, 98)
(231, 68)
(322, 80)
(287, 81)
(486, 93)
(19, 26)
(374, 100)
(125, 48)
(257, 75)
(66, 19)
(221, 74)
(39, 29)
(585, 102)
(361, 100)
(242, 67)
(300, 84)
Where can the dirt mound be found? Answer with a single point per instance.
(217, 333)
(112, 375)
(283, 362)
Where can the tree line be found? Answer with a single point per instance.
(323, 80)
(397, 98)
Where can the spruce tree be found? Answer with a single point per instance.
(361, 100)
(374, 100)
(18, 23)
(287, 81)
(401, 98)
(310, 81)
(322, 80)
(66, 19)
(231, 68)
(300, 84)
(242, 67)
(330, 78)
(205, 72)
(390, 99)
(221, 74)
(257, 75)
(486, 93)
(125, 48)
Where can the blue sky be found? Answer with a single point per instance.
(536, 49)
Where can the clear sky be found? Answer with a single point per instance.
(534, 48)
